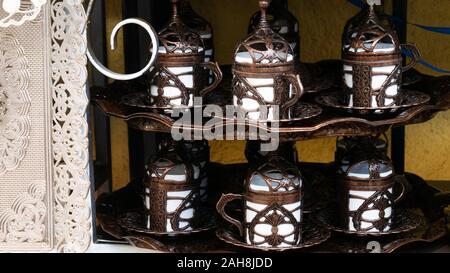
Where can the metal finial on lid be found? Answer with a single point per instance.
(174, 8)
(264, 5)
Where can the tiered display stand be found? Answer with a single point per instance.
(424, 201)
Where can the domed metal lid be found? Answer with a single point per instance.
(264, 46)
(177, 38)
(169, 167)
(276, 176)
(281, 21)
(366, 163)
(369, 36)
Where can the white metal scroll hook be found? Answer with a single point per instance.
(124, 77)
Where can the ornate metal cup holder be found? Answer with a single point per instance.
(134, 222)
(300, 111)
(407, 99)
(404, 221)
(312, 235)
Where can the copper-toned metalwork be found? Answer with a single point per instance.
(273, 200)
(299, 112)
(135, 222)
(367, 180)
(373, 63)
(197, 153)
(313, 235)
(346, 144)
(170, 192)
(264, 73)
(405, 221)
(281, 21)
(426, 202)
(404, 100)
(199, 25)
(330, 123)
(179, 73)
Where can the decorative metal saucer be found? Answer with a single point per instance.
(301, 111)
(135, 222)
(312, 235)
(407, 99)
(403, 221)
(140, 100)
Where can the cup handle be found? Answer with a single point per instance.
(214, 67)
(125, 77)
(416, 56)
(224, 200)
(298, 89)
(401, 179)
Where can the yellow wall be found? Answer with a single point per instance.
(119, 129)
(428, 144)
(321, 24)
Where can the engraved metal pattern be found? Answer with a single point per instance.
(417, 107)
(359, 52)
(25, 221)
(405, 99)
(200, 25)
(290, 179)
(157, 187)
(177, 38)
(312, 235)
(20, 11)
(135, 222)
(380, 201)
(14, 103)
(164, 78)
(275, 215)
(181, 48)
(282, 22)
(404, 221)
(264, 45)
(198, 153)
(282, 187)
(271, 58)
(72, 213)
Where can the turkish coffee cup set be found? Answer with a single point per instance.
(264, 74)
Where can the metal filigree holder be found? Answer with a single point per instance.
(264, 73)
(382, 199)
(281, 21)
(179, 73)
(273, 200)
(366, 187)
(169, 194)
(371, 53)
(197, 152)
(200, 25)
(282, 80)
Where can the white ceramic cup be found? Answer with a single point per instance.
(185, 75)
(358, 196)
(377, 81)
(265, 88)
(174, 198)
(285, 229)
